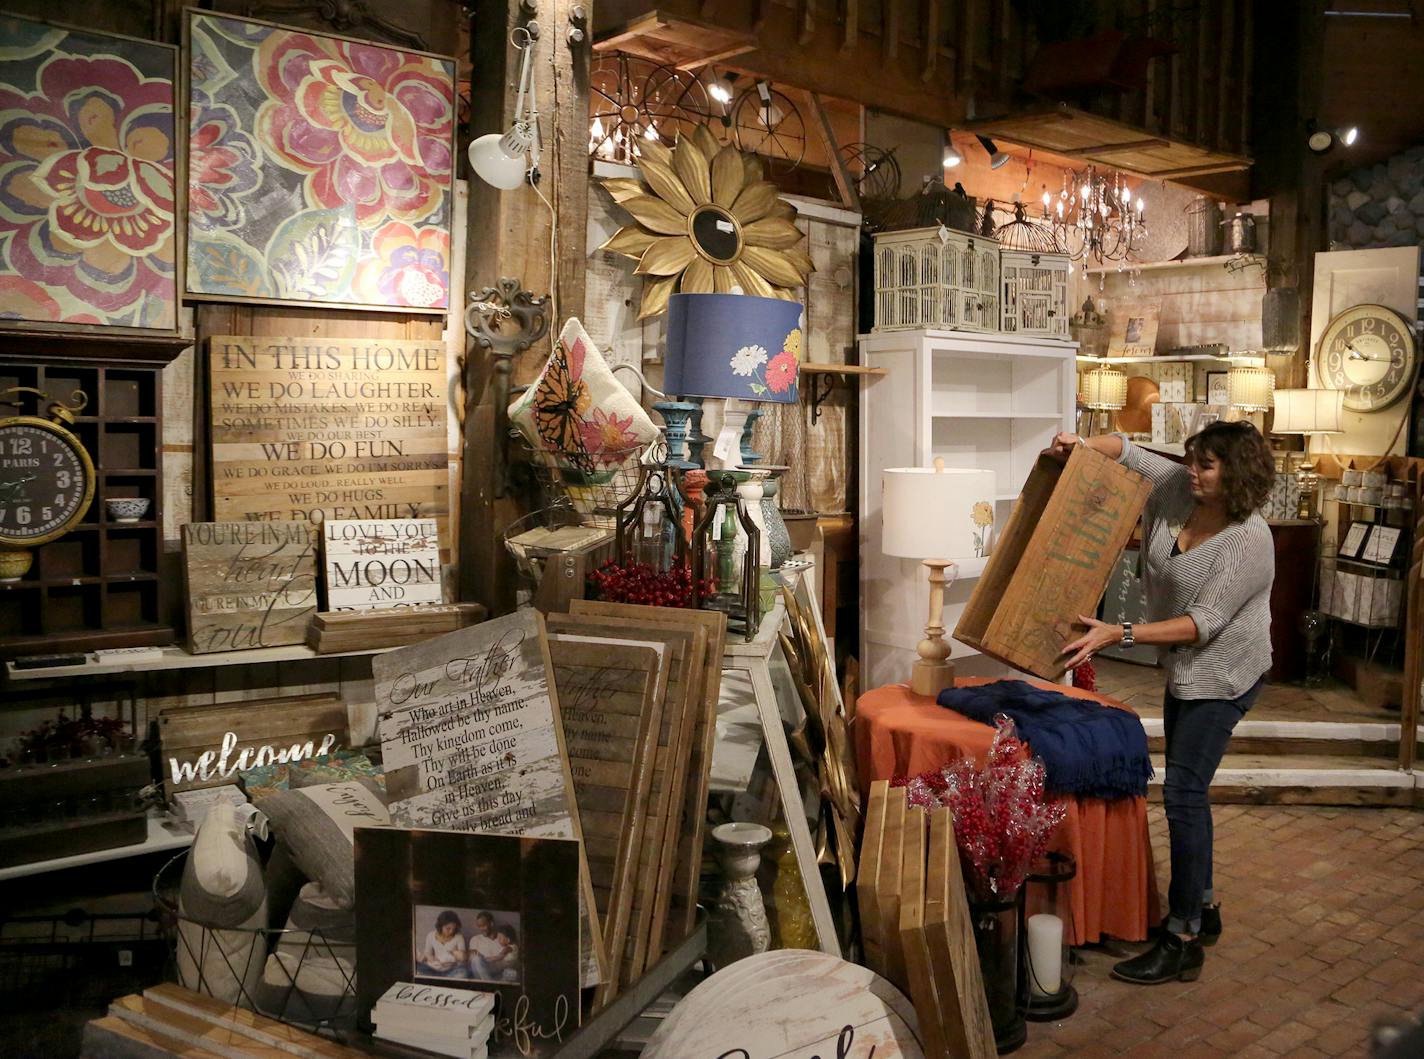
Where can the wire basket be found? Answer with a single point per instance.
(590, 485)
(303, 977)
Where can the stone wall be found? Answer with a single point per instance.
(1379, 205)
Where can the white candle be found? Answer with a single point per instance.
(1045, 954)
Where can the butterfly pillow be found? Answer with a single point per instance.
(578, 414)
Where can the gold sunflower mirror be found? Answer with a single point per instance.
(706, 221)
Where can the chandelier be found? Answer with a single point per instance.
(1095, 216)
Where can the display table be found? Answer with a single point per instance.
(898, 733)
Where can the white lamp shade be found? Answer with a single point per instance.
(502, 159)
(1309, 412)
(1250, 388)
(930, 514)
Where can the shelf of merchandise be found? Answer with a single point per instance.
(1219, 260)
(164, 835)
(1185, 358)
(984, 401)
(177, 658)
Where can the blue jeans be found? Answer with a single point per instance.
(1197, 732)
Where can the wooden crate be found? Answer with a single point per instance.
(72, 807)
(1053, 560)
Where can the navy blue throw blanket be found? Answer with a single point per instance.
(1087, 748)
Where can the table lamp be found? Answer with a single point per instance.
(1249, 388)
(936, 516)
(739, 347)
(1309, 412)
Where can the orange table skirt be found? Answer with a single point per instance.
(898, 733)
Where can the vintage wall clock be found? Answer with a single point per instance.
(1368, 351)
(46, 480)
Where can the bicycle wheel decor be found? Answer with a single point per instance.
(766, 122)
(633, 100)
(706, 221)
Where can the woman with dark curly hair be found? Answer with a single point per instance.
(1207, 567)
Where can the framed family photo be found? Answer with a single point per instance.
(1132, 328)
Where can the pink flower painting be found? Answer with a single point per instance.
(348, 148)
(86, 178)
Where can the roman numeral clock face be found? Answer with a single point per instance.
(1368, 352)
(46, 481)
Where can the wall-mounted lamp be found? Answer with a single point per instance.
(997, 158)
(505, 159)
(1321, 140)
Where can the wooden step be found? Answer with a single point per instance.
(1303, 779)
(1316, 738)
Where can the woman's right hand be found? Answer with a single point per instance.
(1062, 446)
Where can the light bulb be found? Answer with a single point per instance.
(1349, 135)
(952, 157)
(651, 132)
(719, 93)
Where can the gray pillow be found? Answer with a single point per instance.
(317, 826)
(222, 887)
(316, 911)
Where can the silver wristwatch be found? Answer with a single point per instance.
(1127, 640)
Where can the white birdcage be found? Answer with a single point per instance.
(936, 277)
(1035, 293)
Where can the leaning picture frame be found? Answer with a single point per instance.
(1353, 543)
(1132, 328)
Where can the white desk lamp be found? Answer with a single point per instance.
(936, 512)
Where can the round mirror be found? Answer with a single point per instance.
(716, 234)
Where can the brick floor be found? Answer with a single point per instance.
(1323, 912)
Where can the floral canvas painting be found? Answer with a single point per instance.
(86, 178)
(319, 169)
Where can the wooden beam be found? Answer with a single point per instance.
(821, 123)
(808, 24)
(1225, 75)
(1248, 57)
(1197, 170)
(932, 32)
(968, 21)
(890, 20)
(1113, 148)
(716, 57)
(852, 25)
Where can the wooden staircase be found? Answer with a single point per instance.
(1297, 746)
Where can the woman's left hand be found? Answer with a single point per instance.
(1099, 635)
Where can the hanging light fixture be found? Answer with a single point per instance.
(997, 158)
(504, 160)
(1250, 389)
(951, 157)
(1096, 216)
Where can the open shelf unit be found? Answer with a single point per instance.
(983, 401)
(98, 585)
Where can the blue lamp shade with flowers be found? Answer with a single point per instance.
(733, 345)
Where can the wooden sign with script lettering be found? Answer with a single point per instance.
(375, 565)
(328, 428)
(1053, 560)
(250, 584)
(204, 746)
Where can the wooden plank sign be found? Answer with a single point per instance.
(249, 584)
(888, 888)
(376, 564)
(689, 857)
(471, 741)
(1053, 560)
(327, 428)
(611, 703)
(867, 882)
(954, 960)
(912, 932)
(204, 746)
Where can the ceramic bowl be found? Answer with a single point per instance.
(126, 508)
(14, 565)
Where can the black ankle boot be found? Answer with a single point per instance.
(1210, 932)
(1171, 958)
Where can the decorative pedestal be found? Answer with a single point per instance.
(677, 427)
(778, 538)
(749, 438)
(694, 481)
(738, 927)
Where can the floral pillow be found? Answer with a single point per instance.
(578, 414)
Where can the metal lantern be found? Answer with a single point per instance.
(649, 523)
(1048, 922)
(726, 545)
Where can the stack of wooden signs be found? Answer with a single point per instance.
(914, 918)
(546, 787)
(454, 1022)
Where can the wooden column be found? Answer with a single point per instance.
(509, 235)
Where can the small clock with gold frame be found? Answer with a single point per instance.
(46, 480)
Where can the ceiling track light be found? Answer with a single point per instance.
(997, 158)
(952, 157)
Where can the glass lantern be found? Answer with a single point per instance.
(1048, 955)
(726, 547)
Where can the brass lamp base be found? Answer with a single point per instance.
(934, 672)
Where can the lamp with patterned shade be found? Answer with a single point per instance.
(739, 347)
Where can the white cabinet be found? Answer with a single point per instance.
(986, 401)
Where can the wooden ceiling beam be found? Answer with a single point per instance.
(1113, 148)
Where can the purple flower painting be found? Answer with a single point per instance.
(320, 168)
(86, 178)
